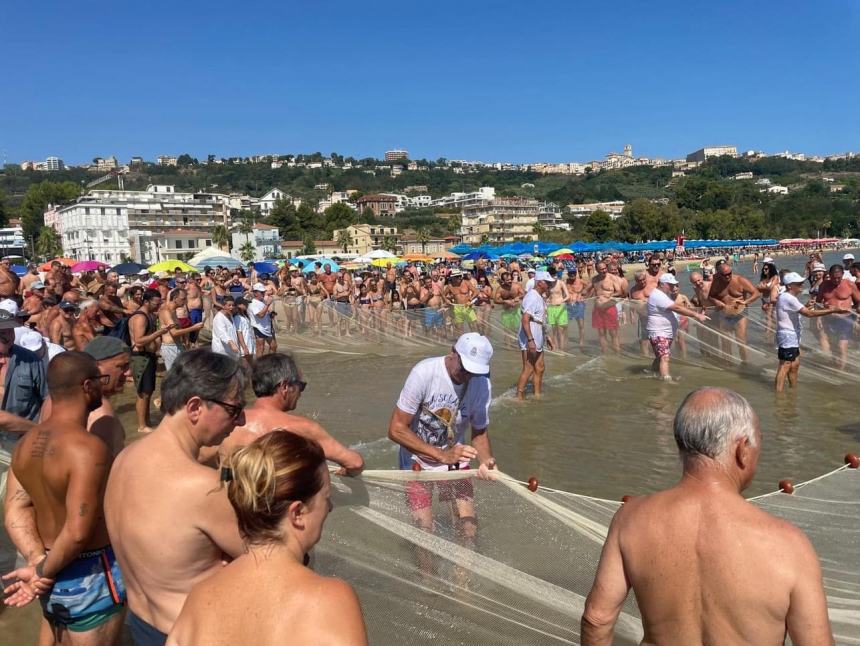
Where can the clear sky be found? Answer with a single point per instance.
(496, 81)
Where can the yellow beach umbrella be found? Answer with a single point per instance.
(170, 265)
(384, 262)
(561, 252)
(417, 257)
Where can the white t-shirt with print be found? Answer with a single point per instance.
(662, 321)
(433, 399)
(788, 323)
(262, 323)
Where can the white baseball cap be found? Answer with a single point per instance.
(848, 256)
(792, 277)
(818, 266)
(258, 287)
(544, 275)
(28, 339)
(10, 306)
(767, 259)
(668, 279)
(475, 352)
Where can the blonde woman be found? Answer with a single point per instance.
(279, 488)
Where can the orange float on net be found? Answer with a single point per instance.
(852, 461)
(533, 483)
(416, 466)
(626, 498)
(785, 486)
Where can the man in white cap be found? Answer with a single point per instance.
(662, 325)
(532, 335)
(847, 261)
(789, 327)
(441, 398)
(261, 319)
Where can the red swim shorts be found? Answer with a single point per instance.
(604, 318)
(419, 495)
(661, 345)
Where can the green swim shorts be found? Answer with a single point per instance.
(556, 315)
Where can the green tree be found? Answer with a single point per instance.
(539, 230)
(221, 237)
(367, 216)
(186, 160)
(36, 200)
(389, 243)
(338, 216)
(422, 237)
(283, 216)
(48, 244)
(246, 224)
(309, 246)
(4, 217)
(600, 226)
(248, 252)
(344, 239)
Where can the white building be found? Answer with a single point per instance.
(267, 202)
(166, 160)
(54, 164)
(12, 241)
(265, 238)
(336, 197)
(152, 225)
(712, 151)
(549, 217)
(613, 208)
(776, 189)
(465, 200)
(500, 220)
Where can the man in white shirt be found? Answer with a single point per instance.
(261, 319)
(662, 325)
(532, 338)
(847, 261)
(789, 328)
(530, 284)
(441, 398)
(225, 339)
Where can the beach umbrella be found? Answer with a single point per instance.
(383, 262)
(380, 253)
(128, 268)
(417, 257)
(310, 267)
(209, 252)
(68, 262)
(562, 256)
(20, 270)
(229, 262)
(265, 267)
(170, 265)
(88, 265)
(564, 251)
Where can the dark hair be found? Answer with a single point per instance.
(268, 475)
(149, 294)
(67, 370)
(771, 270)
(200, 373)
(270, 371)
(135, 289)
(174, 293)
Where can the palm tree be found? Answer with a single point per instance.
(247, 252)
(422, 237)
(389, 244)
(221, 237)
(344, 239)
(48, 243)
(538, 229)
(246, 225)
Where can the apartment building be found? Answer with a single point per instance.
(267, 202)
(166, 160)
(365, 238)
(395, 155)
(613, 208)
(109, 225)
(712, 151)
(465, 200)
(382, 205)
(409, 243)
(265, 239)
(500, 220)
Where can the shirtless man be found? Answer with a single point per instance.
(32, 304)
(145, 339)
(731, 294)
(341, 293)
(459, 294)
(431, 299)
(837, 292)
(605, 287)
(278, 386)
(207, 287)
(576, 302)
(62, 469)
(706, 566)
(60, 331)
(32, 276)
(176, 340)
(509, 295)
(169, 518)
(83, 330)
(556, 312)
(195, 303)
(639, 294)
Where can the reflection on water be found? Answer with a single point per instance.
(604, 428)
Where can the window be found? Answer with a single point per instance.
(179, 244)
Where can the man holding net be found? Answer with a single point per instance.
(441, 398)
(706, 565)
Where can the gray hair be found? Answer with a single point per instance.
(710, 419)
(201, 373)
(271, 370)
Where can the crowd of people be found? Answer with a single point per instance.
(176, 529)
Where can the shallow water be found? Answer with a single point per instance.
(603, 428)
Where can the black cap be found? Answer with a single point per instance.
(67, 305)
(105, 347)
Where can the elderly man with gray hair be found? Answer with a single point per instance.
(705, 565)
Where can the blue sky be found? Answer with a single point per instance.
(515, 81)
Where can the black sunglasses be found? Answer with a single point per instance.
(233, 410)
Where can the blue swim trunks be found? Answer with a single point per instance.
(433, 318)
(576, 310)
(196, 315)
(87, 592)
(840, 326)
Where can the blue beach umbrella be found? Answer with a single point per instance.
(265, 267)
(20, 270)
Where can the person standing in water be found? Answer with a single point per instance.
(706, 566)
(532, 337)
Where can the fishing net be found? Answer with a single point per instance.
(519, 573)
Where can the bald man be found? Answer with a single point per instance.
(63, 470)
(706, 566)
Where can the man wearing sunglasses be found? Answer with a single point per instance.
(168, 516)
(441, 399)
(278, 386)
